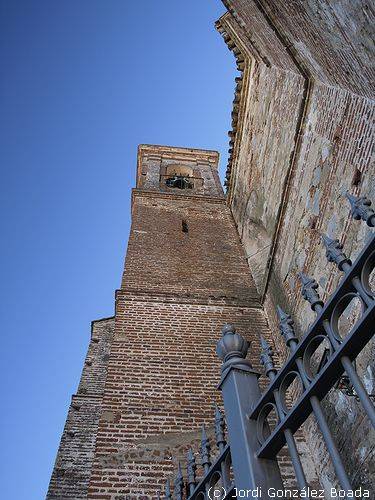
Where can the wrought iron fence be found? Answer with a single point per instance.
(216, 473)
(254, 445)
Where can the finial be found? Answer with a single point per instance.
(179, 483)
(219, 429)
(232, 349)
(168, 495)
(334, 252)
(360, 209)
(191, 468)
(266, 358)
(309, 291)
(205, 450)
(286, 326)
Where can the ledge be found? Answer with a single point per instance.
(176, 196)
(242, 62)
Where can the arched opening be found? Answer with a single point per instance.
(180, 177)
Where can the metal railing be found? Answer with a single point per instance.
(254, 447)
(216, 472)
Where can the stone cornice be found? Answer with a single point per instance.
(243, 61)
(130, 294)
(150, 193)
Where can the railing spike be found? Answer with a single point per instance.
(219, 429)
(309, 291)
(360, 209)
(286, 326)
(191, 468)
(334, 252)
(179, 483)
(266, 358)
(205, 450)
(168, 494)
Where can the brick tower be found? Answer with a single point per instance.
(150, 376)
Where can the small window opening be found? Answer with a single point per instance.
(185, 227)
(357, 177)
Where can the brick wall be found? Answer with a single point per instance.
(161, 388)
(71, 473)
(150, 377)
(204, 260)
(179, 287)
(303, 136)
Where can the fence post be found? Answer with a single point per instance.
(240, 390)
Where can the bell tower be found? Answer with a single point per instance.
(167, 169)
(179, 240)
(185, 275)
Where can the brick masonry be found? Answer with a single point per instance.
(185, 275)
(303, 134)
(178, 288)
(72, 470)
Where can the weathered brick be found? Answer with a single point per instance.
(305, 135)
(71, 474)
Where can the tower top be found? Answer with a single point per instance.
(178, 170)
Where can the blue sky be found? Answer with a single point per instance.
(83, 82)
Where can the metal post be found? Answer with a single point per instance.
(168, 494)
(220, 443)
(191, 475)
(179, 483)
(205, 449)
(240, 389)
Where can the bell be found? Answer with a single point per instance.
(179, 182)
